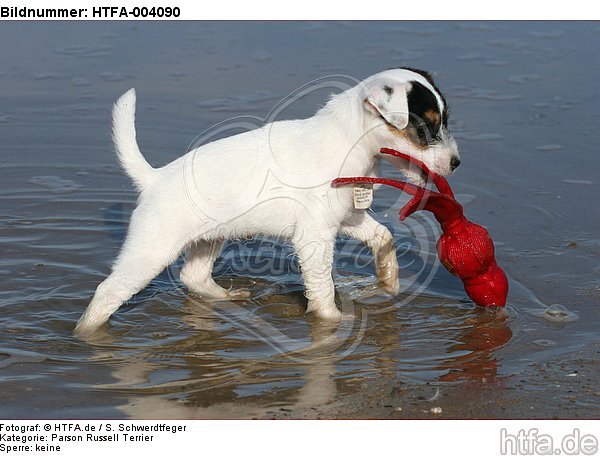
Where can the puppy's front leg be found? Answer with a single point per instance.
(379, 239)
(315, 255)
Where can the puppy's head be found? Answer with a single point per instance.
(406, 111)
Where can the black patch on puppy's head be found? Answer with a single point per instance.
(430, 80)
(425, 118)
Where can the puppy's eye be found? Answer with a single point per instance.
(426, 132)
(423, 131)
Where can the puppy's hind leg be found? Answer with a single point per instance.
(197, 272)
(142, 258)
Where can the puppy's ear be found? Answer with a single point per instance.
(389, 101)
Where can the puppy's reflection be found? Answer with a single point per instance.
(249, 360)
(221, 382)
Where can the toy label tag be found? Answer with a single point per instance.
(363, 196)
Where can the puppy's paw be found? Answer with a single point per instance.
(391, 285)
(393, 289)
(387, 273)
(88, 324)
(238, 295)
(329, 313)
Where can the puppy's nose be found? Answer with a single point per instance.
(454, 162)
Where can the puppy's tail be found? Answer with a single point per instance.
(123, 134)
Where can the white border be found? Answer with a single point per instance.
(302, 438)
(347, 10)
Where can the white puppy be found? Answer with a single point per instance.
(274, 181)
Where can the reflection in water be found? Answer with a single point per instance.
(482, 337)
(236, 361)
(215, 379)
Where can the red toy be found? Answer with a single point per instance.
(465, 249)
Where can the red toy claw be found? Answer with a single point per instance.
(465, 249)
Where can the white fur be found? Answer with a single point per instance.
(273, 181)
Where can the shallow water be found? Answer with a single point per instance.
(524, 100)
